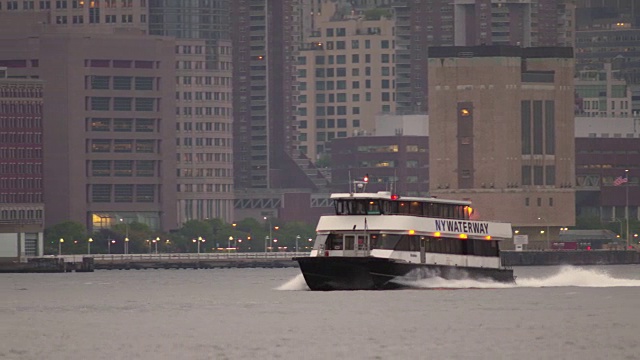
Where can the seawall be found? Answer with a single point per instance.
(570, 257)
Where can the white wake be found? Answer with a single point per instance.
(566, 276)
(297, 283)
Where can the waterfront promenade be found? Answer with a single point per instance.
(91, 262)
(184, 260)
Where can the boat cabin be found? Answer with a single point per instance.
(394, 205)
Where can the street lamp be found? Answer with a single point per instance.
(89, 246)
(266, 240)
(229, 244)
(297, 239)
(60, 246)
(155, 242)
(311, 243)
(270, 234)
(109, 242)
(237, 246)
(542, 232)
(126, 245)
(126, 224)
(198, 241)
(626, 208)
(276, 244)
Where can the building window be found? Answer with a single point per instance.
(537, 127)
(100, 168)
(525, 123)
(526, 175)
(101, 193)
(538, 175)
(549, 127)
(123, 193)
(550, 175)
(145, 193)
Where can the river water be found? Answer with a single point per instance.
(552, 313)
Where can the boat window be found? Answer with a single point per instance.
(362, 242)
(391, 207)
(373, 241)
(334, 242)
(388, 241)
(429, 209)
(349, 241)
(408, 243)
(415, 208)
(341, 207)
(374, 208)
(461, 246)
(321, 240)
(403, 208)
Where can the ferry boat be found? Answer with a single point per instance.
(375, 239)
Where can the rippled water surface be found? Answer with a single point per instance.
(553, 313)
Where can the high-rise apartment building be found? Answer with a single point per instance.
(203, 104)
(109, 129)
(87, 15)
(264, 34)
(204, 129)
(21, 186)
(501, 129)
(513, 22)
(345, 77)
(419, 25)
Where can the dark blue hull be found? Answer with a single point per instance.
(370, 273)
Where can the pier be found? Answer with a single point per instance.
(91, 262)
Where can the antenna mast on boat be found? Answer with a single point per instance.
(360, 185)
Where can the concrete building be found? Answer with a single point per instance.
(513, 22)
(607, 127)
(21, 173)
(203, 98)
(109, 130)
(607, 31)
(345, 78)
(418, 25)
(602, 93)
(599, 162)
(92, 16)
(421, 24)
(502, 134)
(399, 164)
(264, 42)
(204, 124)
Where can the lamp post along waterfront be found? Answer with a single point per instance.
(89, 246)
(60, 246)
(126, 245)
(266, 241)
(626, 208)
(229, 244)
(297, 239)
(270, 234)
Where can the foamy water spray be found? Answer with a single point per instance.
(567, 276)
(297, 283)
